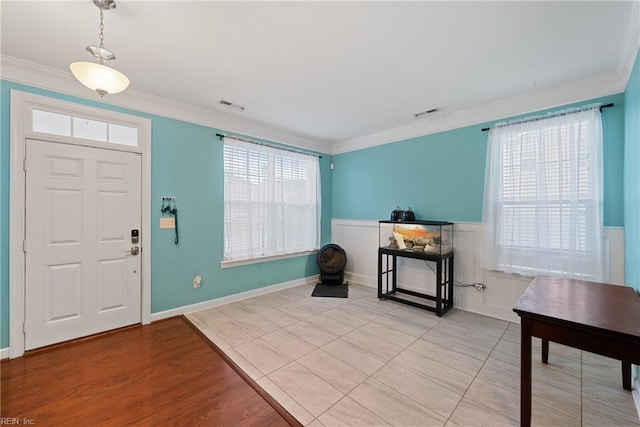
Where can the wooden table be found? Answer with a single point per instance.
(595, 317)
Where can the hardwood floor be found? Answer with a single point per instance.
(158, 374)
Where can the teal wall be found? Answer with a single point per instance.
(441, 176)
(632, 179)
(186, 162)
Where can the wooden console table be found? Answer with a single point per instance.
(388, 283)
(595, 317)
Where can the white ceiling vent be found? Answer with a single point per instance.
(426, 113)
(231, 105)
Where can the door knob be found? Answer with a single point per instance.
(135, 250)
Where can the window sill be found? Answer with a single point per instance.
(241, 262)
(526, 273)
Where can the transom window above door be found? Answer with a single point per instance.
(51, 123)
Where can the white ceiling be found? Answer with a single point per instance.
(331, 72)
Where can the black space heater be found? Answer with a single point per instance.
(332, 260)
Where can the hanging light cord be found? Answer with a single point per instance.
(101, 28)
(101, 34)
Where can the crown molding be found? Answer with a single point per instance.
(572, 92)
(28, 73)
(583, 90)
(20, 71)
(631, 43)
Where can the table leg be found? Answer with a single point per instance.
(439, 288)
(626, 375)
(545, 351)
(380, 274)
(525, 372)
(451, 281)
(394, 281)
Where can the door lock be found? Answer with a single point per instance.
(135, 250)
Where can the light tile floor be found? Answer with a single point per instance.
(360, 361)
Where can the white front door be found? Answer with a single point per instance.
(82, 204)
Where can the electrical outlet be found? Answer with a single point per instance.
(480, 287)
(197, 281)
(167, 223)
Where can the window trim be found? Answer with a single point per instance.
(241, 262)
(36, 102)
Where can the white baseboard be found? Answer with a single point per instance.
(4, 352)
(361, 279)
(361, 238)
(490, 310)
(463, 304)
(231, 298)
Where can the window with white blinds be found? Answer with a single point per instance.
(271, 201)
(543, 196)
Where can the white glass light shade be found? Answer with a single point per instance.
(98, 77)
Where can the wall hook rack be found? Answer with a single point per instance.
(169, 208)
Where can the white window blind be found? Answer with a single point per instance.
(271, 201)
(543, 196)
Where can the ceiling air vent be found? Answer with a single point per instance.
(231, 105)
(425, 113)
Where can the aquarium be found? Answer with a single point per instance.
(430, 237)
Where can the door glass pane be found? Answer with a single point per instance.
(89, 129)
(124, 135)
(51, 123)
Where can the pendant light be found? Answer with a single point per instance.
(95, 75)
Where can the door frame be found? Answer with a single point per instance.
(22, 104)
